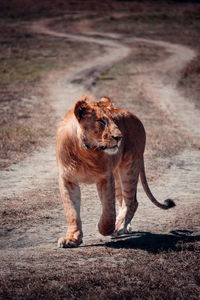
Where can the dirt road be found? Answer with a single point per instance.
(38, 173)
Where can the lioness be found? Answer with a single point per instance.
(98, 143)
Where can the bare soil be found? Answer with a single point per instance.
(160, 259)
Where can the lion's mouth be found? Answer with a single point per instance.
(106, 147)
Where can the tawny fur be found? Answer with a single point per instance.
(98, 143)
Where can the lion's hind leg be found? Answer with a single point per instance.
(118, 189)
(119, 227)
(128, 179)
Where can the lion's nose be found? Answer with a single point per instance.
(117, 137)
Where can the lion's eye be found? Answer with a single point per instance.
(102, 122)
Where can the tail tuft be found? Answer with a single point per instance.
(169, 203)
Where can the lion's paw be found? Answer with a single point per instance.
(64, 242)
(124, 230)
(106, 228)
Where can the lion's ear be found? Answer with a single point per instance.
(81, 109)
(105, 102)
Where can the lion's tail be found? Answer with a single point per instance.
(167, 203)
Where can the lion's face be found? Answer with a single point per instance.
(98, 131)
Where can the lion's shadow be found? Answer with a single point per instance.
(154, 243)
(176, 240)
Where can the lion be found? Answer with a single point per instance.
(100, 144)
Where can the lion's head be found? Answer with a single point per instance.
(98, 130)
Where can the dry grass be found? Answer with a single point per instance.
(143, 265)
(118, 270)
(190, 80)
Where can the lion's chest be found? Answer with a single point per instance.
(92, 167)
(91, 171)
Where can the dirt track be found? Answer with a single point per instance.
(180, 181)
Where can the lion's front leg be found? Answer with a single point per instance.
(71, 196)
(106, 191)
